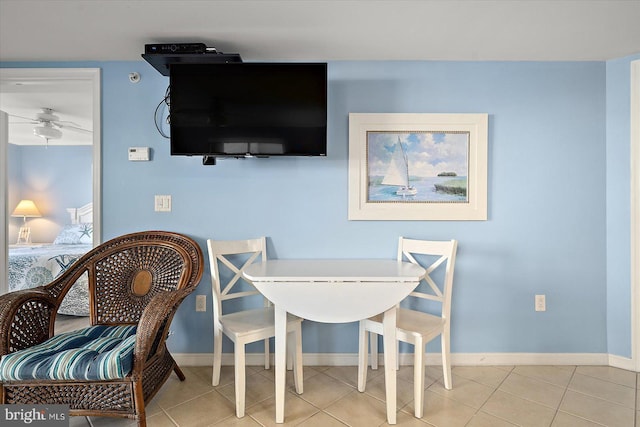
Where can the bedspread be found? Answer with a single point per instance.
(37, 265)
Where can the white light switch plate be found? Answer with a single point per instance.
(162, 203)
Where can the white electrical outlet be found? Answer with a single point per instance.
(201, 303)
(541, 303)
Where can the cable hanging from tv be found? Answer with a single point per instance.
(158, 120)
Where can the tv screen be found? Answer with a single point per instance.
(248, 109)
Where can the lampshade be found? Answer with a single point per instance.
(47, 131)
(26, 208)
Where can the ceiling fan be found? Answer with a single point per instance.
(49, 125)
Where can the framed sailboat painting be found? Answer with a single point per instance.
(418, 166)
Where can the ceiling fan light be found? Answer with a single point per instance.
(47, 132)
(47, 115)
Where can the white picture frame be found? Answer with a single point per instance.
(440, 148)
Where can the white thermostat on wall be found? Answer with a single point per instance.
(139, 154)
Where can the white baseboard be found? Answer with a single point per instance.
(484, 359)
(457, 359)
(621, 362)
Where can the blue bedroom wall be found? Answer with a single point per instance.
(618, 206)
(55, 178)
(546, 232)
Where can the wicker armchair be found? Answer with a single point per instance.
(139, 278)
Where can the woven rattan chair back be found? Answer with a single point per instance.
(127, 272)
(139, 278)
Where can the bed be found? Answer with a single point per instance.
(36, 265)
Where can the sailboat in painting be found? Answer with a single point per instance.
(398, 172)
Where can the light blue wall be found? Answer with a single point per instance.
(618, 206)
(546, 231)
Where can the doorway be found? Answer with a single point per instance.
(15, 80)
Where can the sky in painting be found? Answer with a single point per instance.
(429, 153)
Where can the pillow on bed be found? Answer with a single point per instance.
(75, 234)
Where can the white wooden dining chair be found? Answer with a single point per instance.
(246, 321)
(414, 326)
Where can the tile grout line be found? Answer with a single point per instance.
(601, 399)
(477, 410)
(564, 388)
(169, 416)
(564, 393)
(250, 416)
(188, 400)
(495, 388)
(604, 380)
(568, 388)
(509, 372)
(331, 416)
(578, 392)
(354, 389)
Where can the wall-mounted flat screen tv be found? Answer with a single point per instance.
(248, 109)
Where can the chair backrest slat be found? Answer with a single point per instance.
(426, 296)
(223, 253)
(238, 271)
(239, 295)
(446, 251)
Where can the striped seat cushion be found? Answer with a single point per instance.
(94, 353)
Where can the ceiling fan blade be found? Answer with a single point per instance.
(30, 119)
(24, 123)
(73, 128)
(61, 123)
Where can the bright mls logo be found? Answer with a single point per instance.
(34, 415)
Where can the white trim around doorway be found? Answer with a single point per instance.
(635, 214)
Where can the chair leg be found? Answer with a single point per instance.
(217, 355)
(418, 376)
(239, 362)
(266, 353)
(178, 372)
(298, 375)
(290, 351)
(373, 343)
(138, 397)
(446, 359)
(362, 356)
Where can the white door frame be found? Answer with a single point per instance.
(4, 231)
(22, 74)
(635, 214)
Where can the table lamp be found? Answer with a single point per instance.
(26, 208)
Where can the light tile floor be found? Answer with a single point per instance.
(484, 396)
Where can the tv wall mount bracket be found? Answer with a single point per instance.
(162, 56)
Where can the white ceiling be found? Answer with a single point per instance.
(268, 30)
(313, 30)
(70, 99)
